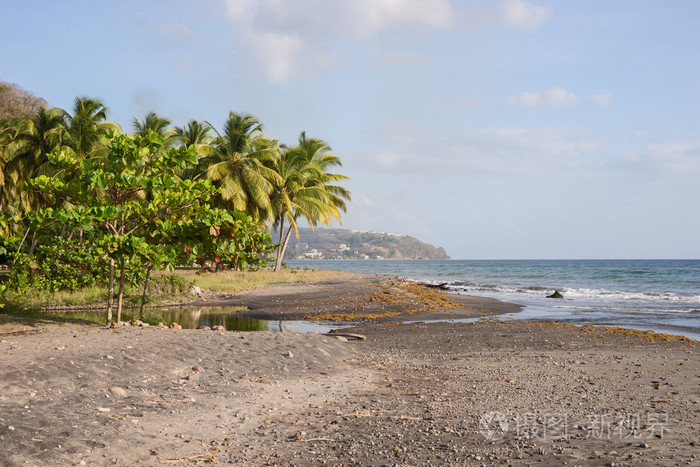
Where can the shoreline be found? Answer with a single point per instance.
(491, 392)
(374, 298)
(364, 298)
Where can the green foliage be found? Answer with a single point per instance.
(147, 202)
(61, 264)
(231, 239)
(172, 284)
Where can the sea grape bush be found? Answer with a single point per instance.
(141, 214)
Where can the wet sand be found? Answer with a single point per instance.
(488, 393)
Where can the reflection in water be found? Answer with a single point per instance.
(192, 317)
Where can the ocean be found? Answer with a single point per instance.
(658, 295)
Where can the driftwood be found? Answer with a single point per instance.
(25, 332)
(346, 334)
(198, 458)
(442, 286)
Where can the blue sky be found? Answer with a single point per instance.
(495, 129)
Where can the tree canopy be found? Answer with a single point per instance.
(83, 202)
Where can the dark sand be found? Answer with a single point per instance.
(410, 394)
(351, 293)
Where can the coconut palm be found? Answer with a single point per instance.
(304, 189)
(195, 133)
(236, 164)
(87, 125)
(159, 125)
(33, 139)
(318, 152)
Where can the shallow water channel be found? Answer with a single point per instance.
(192, 317)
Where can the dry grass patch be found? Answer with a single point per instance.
(238, 281)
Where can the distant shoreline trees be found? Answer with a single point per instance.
(164, 195)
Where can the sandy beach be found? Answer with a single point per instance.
(488, 393)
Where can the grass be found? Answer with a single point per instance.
(220, 282)
(237, 281)
(24, 309)
(38, 298)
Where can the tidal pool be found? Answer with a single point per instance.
(192, 317)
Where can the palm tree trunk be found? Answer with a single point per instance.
(34, 244)
(110, 291)
(279, 247)
(120, 296)
(21, 243)
(145, 290)
(284, 248)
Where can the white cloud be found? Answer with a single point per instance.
(283, 54)
(363, 199)
(301, 33)
(553, 97)
(524, 16)
(340, 17)
(239, 9)
(474, 152)
(602, 99)
(176, 31)
(641, 135)
(389, 160)
(681, 156)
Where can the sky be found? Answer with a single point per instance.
(503, 129)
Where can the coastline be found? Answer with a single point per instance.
(357, 295)
(491, 392)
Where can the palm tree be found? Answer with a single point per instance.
(236, 164)
(86, 126)
(320, 153)
(159, 125)
(33, 139)
(195, 133)
(304, 189)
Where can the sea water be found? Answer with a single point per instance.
(658, 295)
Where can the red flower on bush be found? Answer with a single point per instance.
(187, 249)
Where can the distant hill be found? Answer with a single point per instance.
(324, 243)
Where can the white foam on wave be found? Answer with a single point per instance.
(598, 295)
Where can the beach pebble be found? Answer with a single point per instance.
(137, 322)
(341, 338)
(144, 325)
(198, 369)
(204, 328)
(117, 391)
(103, 409)
(174, 325)
(288, 354)
(218, 328)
